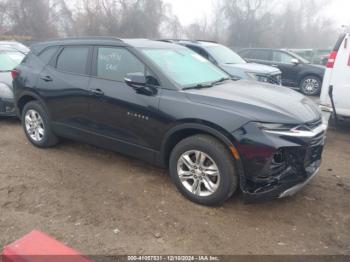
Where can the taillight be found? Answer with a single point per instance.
(14, 73)
(331, 59)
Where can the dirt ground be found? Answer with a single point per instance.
(103, 203)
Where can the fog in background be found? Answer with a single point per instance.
(237, 23)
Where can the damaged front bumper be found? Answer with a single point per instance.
(277, 165)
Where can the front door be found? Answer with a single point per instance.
(290, 71)
(117, 112)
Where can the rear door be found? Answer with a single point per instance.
(64, 85)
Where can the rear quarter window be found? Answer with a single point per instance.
(46, 55)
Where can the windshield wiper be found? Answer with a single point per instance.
(220, 80)
(199, 86)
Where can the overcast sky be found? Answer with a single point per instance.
(191, 10)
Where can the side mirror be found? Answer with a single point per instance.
(135, 80)
(295, 61)
(138, 82)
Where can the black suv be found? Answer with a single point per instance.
(163, 103)
(297, 72)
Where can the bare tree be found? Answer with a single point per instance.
(30, 17)
(238, 23)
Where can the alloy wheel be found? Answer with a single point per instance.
(34, 125)
(310, 86)
(198, 173)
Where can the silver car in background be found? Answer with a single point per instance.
(9, 59)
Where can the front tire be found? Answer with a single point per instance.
(311, 85)
(203, 170)
(36, 125)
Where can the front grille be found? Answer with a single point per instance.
(318, 140)
(314, 124)
(275, 79)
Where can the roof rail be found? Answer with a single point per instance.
(186, 40)
(209, 41)
(176, 40)
(89, 38)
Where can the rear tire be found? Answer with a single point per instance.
(36, 125)
(193, 165)
(311, 85)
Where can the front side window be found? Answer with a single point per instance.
(114, 63)
(73, 60)
(10, 59)
(184, 66)
(281, 57)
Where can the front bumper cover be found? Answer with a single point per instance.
(276, 166)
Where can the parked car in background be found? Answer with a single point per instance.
(15, 45)
(338, 77)
(9, 59)
(165, 104)
(297, 72)
(231, 62)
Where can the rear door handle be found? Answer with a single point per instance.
(274, 65)
(97, 92)
(46, 78)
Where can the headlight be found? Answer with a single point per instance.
(5, 91)
(276, 127)
(260, 78)
(251, 76)
(263, 79)
(290, 129)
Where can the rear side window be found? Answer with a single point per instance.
(73, 60)
(46, 55)
(257, 54)
(114, 63)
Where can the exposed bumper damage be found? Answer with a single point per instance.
(7, 107)
(276, 166)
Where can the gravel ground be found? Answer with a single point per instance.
(104, 203)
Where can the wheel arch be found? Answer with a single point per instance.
(25, 99)
(184, 130)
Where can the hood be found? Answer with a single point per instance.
(259, 102)
(252, 68)
(6, 78)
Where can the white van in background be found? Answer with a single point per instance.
(337, 78)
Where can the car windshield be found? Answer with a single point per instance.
(16, 46)
(9, 60)
(224, 55)
(185, 67)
